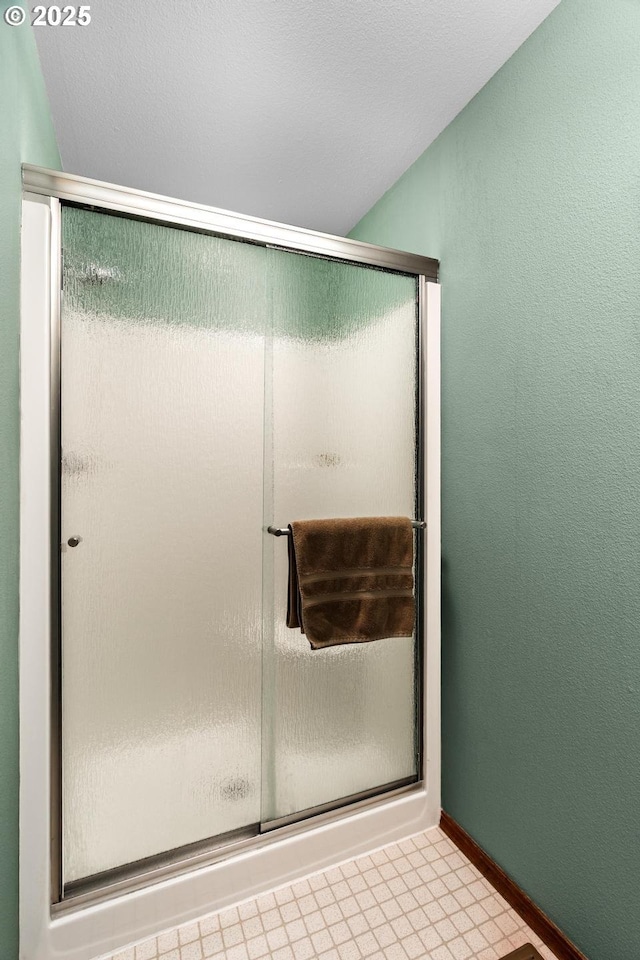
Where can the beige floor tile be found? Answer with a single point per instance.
(419, 899)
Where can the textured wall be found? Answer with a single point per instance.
(26, 135)
(530, 198)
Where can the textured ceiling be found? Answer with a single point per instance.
(303, 111)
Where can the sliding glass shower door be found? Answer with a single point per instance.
(162, 360)
(340, 438)
(210, 388)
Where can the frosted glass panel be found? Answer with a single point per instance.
(340, 442)
(210, 388)
(162, 436)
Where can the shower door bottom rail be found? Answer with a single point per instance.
(387, 790)
(142, 873)
(153, 869)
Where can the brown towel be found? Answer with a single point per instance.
(351, 580)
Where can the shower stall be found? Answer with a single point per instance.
(195, 381)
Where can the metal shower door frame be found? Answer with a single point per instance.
(58, 189)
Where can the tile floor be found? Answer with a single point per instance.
(419, 899)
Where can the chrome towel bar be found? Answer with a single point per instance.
(284, 531)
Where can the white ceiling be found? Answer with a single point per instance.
(302, 111)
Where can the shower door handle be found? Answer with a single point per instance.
(74, 541)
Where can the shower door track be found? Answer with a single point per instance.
(134, 876)
(60, 188)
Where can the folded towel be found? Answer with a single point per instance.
(351, 581)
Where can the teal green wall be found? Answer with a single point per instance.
(531, 199)
(26, 135)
